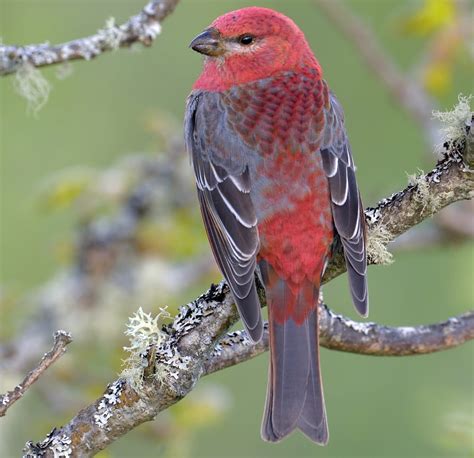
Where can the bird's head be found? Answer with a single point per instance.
(250, 44)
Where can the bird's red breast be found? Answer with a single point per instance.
(282, 119)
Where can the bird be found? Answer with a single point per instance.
(277, 190)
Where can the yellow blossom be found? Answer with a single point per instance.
(432, 15)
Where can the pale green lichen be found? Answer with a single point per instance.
(430, 202)
(377, 241)
(455, 121)
(30, 83)
(145, 332)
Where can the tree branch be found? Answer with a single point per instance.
(454, 225)
(142, 28)
(188, 351)
(61, 340)
(191, 345)
(185, 345)
(337, 332)
(450, 181)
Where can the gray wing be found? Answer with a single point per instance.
(347, 209)
(220, 163)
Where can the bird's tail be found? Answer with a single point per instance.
(294, 394)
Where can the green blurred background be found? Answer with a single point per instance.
(411, 406)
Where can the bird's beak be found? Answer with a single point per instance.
(209, 43)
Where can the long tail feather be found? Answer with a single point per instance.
(294, 393)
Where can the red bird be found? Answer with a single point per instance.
(277, 189)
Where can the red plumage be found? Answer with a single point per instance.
(276, 185)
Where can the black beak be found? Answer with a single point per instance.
(208, 42)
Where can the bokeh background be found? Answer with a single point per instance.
(98, 217)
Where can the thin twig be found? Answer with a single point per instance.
(61, 340)
(404, 89)
(142, 28)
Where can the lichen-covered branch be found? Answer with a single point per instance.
(191, 347)
(450, 181)
(343, 334)
(129, 401)
(340, 333)
(165, 371)
(453, 226)
(61, 340)
(111, 266)
(141, 28)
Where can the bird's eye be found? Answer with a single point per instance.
(246, 40)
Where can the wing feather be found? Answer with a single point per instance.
(220, 163)
(347, 210)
